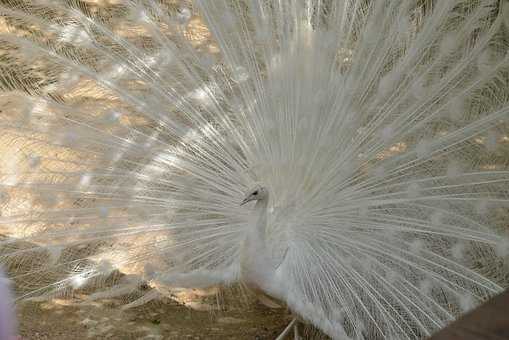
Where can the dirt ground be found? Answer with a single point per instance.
(79, 318)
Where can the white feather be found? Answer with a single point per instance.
(377, 127)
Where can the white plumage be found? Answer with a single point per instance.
(7, 319)
(377, 129)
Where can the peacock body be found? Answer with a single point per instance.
(377, 131)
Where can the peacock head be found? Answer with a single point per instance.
(255, 194)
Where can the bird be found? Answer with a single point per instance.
(347, 158)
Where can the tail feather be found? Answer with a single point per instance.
(131, 131)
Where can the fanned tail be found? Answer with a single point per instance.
(131, 131)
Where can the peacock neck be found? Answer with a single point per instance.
(257, 228)
(257, 269)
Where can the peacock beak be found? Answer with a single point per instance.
(245, 200)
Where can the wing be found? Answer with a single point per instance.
(200, 278)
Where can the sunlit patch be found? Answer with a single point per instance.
(79, 280)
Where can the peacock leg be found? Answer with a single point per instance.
(296, 331)
(287, 330)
